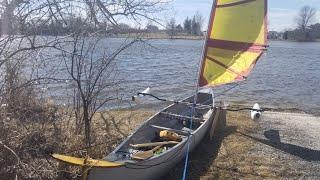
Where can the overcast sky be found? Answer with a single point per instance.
(281, 12)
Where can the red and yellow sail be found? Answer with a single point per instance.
(236, 39)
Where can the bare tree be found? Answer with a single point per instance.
(171, 27)
(90, 67)
(305, 17)
(28, 59)
(199, 19)
(92, 71)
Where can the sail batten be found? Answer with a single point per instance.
(224, 66)
(236, 39)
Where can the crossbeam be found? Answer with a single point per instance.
(182, 117)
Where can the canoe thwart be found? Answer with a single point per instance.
(182, 117)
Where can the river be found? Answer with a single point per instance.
(286, 77)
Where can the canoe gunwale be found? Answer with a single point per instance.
(172, 152)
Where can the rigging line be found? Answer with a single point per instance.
(197, 85)
(188, 145)
(231, 88)
(193, 109)
(250, 109)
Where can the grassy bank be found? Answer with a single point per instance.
(26, 146)
(232, 154)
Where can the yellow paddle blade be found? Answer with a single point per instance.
(89, 162)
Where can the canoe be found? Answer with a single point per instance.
(175, 118)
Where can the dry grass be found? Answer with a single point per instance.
(232, 154)
(235, 158)
(34, 141)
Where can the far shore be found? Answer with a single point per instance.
(178, 36)
(183, 36)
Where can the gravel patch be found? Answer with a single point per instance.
(293, 140)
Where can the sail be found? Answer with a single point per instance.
(236, 39)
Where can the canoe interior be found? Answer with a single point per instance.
(176, 116)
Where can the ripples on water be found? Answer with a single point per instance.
(287, 76)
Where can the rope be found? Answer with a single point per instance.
(250, 109)
(188, 144)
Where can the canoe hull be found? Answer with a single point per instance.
(150, 169)
(156, 167)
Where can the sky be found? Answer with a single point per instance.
(281, 12)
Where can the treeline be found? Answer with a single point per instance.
(306, 29)
(74, 25)
(312, 33)
(191, 26)
(69, 25)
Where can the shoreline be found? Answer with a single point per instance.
(159, 36)
(233, 105)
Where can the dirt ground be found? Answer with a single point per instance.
(279, 146)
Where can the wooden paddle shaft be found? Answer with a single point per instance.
(153, 144)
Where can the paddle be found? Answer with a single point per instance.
(86, 162)
(145, 154)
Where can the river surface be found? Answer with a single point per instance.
(287, 76)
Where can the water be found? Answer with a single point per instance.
(288, 76)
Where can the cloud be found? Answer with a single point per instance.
(280, 19)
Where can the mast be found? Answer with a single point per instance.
(204, 49)
(236, 39)
(203, 55)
